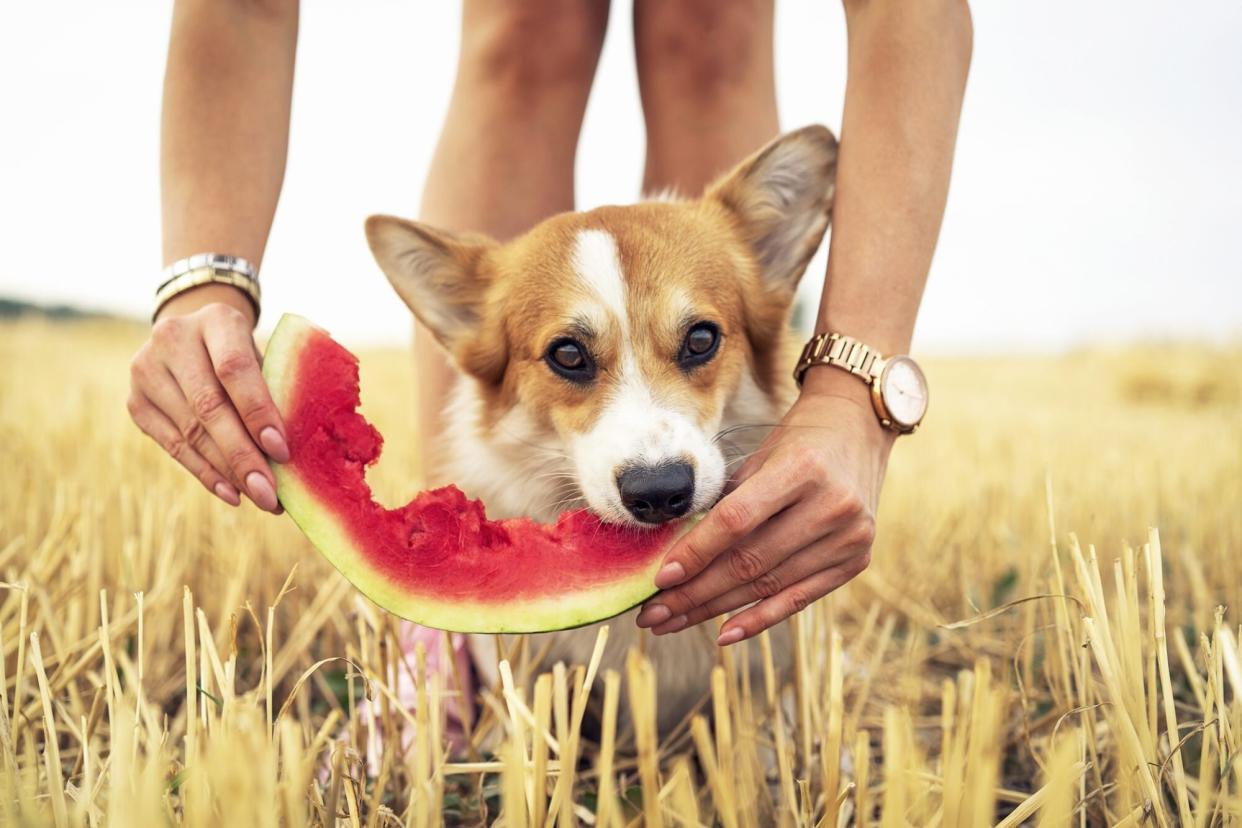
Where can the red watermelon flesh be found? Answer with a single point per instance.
(437, 560)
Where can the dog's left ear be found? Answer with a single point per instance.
(781, 200)
(437, 274)
(443, 280)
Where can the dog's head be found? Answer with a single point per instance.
(619, 335)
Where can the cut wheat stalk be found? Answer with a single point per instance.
(641, 687)
(607, 809)
(51, 749)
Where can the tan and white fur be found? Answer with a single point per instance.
(626, 285)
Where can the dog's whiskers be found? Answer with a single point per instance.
(550, 450)
(725, 432)
(565, 503)
(555, 475)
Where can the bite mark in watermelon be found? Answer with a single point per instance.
(437, 560)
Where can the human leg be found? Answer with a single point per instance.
(705, 71)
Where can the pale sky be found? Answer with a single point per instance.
(1097, 194)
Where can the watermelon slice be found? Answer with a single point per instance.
(437, 560)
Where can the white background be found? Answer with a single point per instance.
(1096, 195)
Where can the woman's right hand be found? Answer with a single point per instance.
(197, 389)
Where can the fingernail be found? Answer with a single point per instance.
(227, 493)
(673, 626)
(274, 445)
(652, 615)
(671, 574)
(261, 492)
(730, 636)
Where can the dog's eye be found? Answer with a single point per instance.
(700, 345)
(569, 359)
(569, 356)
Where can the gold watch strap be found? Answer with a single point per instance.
(841, 352)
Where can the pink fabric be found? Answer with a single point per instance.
(455, 706)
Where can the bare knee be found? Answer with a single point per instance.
(525, 49)
(702, 50)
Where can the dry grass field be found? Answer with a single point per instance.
(1048, 634)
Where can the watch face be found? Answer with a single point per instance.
(904, 390)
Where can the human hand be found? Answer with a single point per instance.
(197, 389)
(798, 522)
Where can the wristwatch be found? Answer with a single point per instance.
(898, 387)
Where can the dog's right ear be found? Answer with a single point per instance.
(437, 274)
(781, 198)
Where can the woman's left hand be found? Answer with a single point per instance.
(798, 523)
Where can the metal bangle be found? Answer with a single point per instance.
(217, 261)
(198, 277)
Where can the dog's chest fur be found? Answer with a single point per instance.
(513, 470)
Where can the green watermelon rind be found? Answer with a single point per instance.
(330, 536)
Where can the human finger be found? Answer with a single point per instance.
(749, 561)
(156, 425)
(212, 407)
(789, 601)
(736, 515)
(153, 381)
(801, 565)
(235, 361)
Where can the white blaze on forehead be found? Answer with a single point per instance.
(598, 267)
(634, 427)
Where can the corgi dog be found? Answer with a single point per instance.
(618, 359)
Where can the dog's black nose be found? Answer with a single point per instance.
(654, 494)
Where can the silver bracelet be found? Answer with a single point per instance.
(192, 279)
(216, 261)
